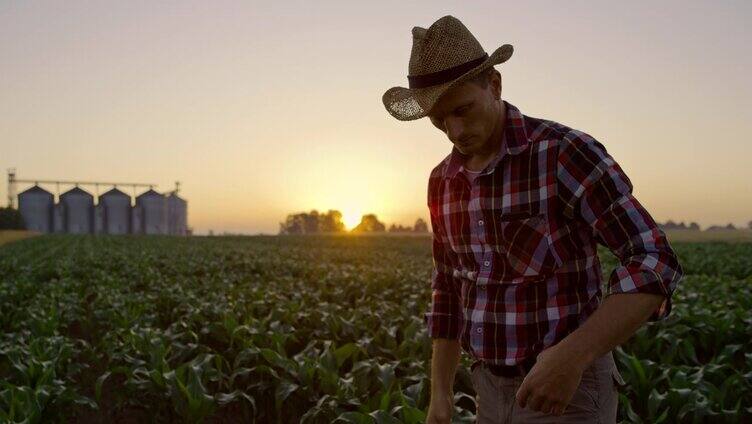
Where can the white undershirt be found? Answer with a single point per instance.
(469, 173)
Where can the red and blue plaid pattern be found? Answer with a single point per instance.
(515, 262)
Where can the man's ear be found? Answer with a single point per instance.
(495, 81)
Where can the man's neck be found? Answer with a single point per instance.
(478, 161)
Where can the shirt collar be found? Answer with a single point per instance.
(515, 141)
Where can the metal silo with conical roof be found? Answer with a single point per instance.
(78, 211)
(177, 214)
(117, 212)
(36, 206)
(153, 213)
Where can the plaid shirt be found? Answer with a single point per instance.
(514, 252)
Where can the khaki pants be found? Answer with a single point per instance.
(595, 401)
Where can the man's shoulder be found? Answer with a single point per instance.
(437, 175)
(541, 129)
(561, 137)
(439, 170)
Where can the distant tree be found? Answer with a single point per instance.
(749, 225)
(331, 222)
(671, 225)
(420, 226)
(294, 224)
(312, 222)
(394, 228)
(694, 226)
(369, 223)
(11, 219)
(729, 226)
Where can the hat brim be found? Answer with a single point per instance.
(407, 104)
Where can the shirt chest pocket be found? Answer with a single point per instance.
(523, 240)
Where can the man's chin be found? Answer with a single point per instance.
(465, 150)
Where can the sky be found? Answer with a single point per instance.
(262, 109)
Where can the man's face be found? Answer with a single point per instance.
(468, 114)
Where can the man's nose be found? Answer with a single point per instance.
(454, 129)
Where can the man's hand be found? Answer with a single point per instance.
(440, 409)
(552, 382)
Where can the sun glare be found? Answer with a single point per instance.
(351, 218)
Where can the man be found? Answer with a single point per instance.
(517, 210)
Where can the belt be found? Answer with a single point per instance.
(509, 371)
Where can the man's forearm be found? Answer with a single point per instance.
(614, 322)
(444, 361)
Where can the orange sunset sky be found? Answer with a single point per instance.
(261, 109)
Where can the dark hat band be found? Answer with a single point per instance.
(445, 75)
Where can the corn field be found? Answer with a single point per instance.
(312, 329)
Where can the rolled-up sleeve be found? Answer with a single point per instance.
(593, 188)
(445, 319)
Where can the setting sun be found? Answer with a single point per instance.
(351, 218)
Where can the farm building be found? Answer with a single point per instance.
(36, 206)
(153, 212)
(177, 215)
(78, 211)
(117, 211)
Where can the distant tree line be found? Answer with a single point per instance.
(671, 225)
(728, 226)
(11, 219)
(419, 227)
(315, 222)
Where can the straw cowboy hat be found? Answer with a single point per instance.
(443, 55)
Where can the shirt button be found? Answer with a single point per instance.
(480, 330)
(480, 222)
(487, 263)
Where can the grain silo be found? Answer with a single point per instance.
(36, 206)
(153, 212)
(177, 215)
(78, 211)
(117, 212)
(75, 212)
